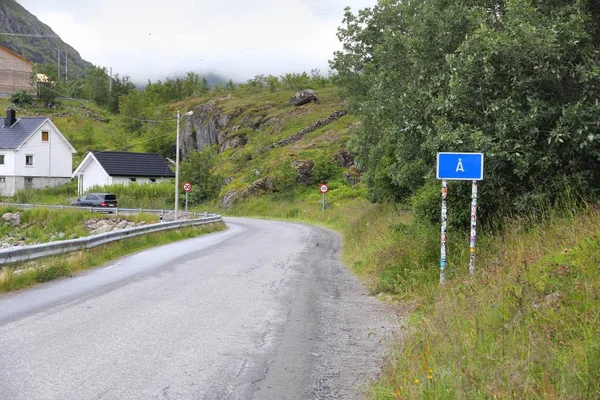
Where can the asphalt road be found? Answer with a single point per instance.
(263, 310)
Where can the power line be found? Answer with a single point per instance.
(35, 35)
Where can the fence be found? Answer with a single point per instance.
(116, 210)
(26, 253)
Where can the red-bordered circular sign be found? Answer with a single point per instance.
(323, 188)
(187, 187)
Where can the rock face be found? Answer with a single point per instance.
(303, 97)
(202, 129)
(208, 126)
(303, 170)
(344, 159)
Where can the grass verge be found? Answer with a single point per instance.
(20, 276)
(526, 326)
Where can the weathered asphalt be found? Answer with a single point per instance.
(263, 310)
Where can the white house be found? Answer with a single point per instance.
(33, 154)
(101, 168)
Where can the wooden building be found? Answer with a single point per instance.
(15, 72)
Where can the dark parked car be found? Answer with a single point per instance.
(108, 200)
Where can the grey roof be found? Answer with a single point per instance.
(117, 163)
(13, 137)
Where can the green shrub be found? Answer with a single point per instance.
(323, 170)
(21, 98)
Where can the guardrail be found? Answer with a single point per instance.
(115, 210)
(26, 253)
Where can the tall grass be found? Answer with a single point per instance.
(525, 326)
(134, 195)
(156, 196)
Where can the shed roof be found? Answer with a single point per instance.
(9, 51)
(118, 163)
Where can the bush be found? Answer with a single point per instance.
(323, 170)
(21, 98)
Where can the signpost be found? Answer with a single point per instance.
(187, 187)
(323, 189)
(459, 167)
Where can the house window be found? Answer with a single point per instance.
(132, 179)
(1, 159)
(29, 160)
(2, 181)
(153, 180)
(45, 136)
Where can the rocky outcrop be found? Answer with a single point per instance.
(202, 129)
(303, 170)
(344, 159)
(12, 219)
(259, 186)
(303, 97)
(352, 176)
(313, 127)
(209, 126)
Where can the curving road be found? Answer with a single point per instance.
(263, 310)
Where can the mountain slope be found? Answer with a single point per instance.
(14, 19)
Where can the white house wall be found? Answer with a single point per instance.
(94, 175)
(57, 163)
(9, 163)
(125, 180)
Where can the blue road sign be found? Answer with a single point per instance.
(460, 166)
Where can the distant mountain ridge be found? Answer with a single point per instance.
(15, 19)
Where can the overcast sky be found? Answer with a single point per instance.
(238, 39)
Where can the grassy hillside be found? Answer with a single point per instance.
(263, 119)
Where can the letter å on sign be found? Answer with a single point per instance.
(460, 166)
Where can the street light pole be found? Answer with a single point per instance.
(177, 171)
(177, 165)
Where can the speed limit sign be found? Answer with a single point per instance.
(324, 188)
(187, 187)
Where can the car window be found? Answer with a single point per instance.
(110, 197)
(92, 197)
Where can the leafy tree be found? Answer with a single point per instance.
(230, 85)
(133, 107)
(198, 168)
(273, 83)
(47, 83)
(256, 84)
(194, 86)
(121, 86)
(296, 81)
(516, 79)
(97, 85)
